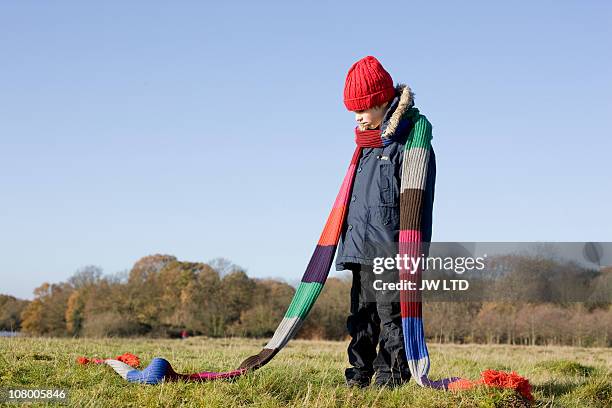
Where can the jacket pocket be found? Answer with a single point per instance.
(382, 231)
(389, 216)
(389, 189)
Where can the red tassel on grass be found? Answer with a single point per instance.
(462, 384)
(495, 378)
(128, 358)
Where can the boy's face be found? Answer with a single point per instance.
(371, 118)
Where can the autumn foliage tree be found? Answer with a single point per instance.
(11, 309)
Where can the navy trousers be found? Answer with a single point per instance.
(375, 320)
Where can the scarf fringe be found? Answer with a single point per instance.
(127, 358)
(500, 379)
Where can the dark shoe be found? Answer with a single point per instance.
(390, 382)
(357, 383)
(356, 378)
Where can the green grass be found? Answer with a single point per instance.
(305, 373)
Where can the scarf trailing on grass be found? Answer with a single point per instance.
(412, 187)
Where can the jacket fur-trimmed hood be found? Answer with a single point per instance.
(400, 105)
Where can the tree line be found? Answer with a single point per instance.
(161, 296)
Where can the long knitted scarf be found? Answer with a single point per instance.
(413, 174)
(412, 186)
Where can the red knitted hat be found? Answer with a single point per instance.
(367, 84)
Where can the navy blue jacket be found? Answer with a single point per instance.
(372, 220)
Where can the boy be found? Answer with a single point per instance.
(372, 225)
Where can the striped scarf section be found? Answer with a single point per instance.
(413, 177)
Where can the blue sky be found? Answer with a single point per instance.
(208, 129)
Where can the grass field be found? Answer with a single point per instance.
(305, 373)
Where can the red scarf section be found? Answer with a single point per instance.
(368, 138)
